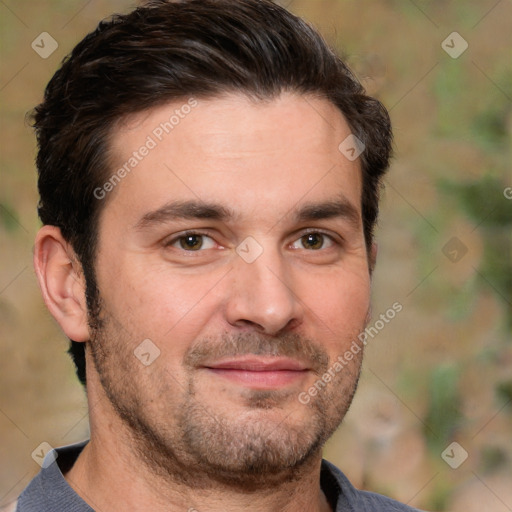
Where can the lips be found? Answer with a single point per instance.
(259, 372)
(257, 364)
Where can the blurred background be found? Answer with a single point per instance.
(440, 372)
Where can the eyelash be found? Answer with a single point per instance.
(310, 231)
(177, 238)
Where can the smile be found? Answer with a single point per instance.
(259, 373)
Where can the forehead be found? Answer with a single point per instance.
(248, 154)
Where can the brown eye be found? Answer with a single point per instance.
(191, 242)
(312, 241)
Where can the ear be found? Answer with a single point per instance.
(62, 282)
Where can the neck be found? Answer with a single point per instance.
(111, 474)
(109, 478)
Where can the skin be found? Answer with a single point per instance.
(179, 434)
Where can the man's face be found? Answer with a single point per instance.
(235, 245)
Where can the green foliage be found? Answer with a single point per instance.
(489, 127)
(482, 200)
(493, 457)
(8, 219)
(449, 81)
(484, 203)
(438, 499)
(504, 393)
(443, 417)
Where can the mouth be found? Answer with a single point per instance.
(259, 372)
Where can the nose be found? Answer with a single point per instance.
(262, 296)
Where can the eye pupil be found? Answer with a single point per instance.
(313, 240)
(191, 242)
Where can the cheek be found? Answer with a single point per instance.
(158, 303)
(340, 306)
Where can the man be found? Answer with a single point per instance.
(209, 174)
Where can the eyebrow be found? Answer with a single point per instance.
(197, 209)
(340, 207)
(185, 210)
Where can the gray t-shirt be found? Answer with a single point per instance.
(50, 492)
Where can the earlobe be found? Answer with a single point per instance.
(62, 282)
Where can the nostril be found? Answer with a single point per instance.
(249, 324)
(266, 327)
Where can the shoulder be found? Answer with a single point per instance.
(49, 491)
(354, 499)
(9, 508)
(373, 500)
